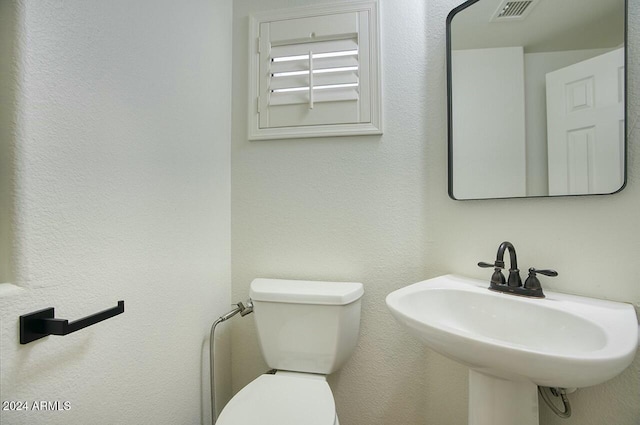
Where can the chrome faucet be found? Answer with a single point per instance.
(513, 285)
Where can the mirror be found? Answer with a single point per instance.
(536, 98)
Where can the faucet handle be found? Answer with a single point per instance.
(533, 284)
(497, 278)
(489, 265)
(546, 272)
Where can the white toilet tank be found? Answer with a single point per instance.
(306, 326)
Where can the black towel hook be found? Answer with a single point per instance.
(41, 323)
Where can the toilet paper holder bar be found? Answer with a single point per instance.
(41, 323)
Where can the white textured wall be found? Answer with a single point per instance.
(376, 210)
(121, 192)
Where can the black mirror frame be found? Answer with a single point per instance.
(450, 17)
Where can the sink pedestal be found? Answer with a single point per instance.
(495, 401)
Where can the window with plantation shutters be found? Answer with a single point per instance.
(315, 72)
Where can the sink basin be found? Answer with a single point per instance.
(559, 341)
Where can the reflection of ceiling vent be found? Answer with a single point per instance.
(513, 10)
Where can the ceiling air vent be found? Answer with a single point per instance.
(513, 10)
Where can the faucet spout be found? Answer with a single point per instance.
(512, 254)
(514, 272)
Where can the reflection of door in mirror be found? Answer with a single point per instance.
(586, 132)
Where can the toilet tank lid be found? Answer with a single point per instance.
(305, 291)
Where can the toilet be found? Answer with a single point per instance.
(306, 331)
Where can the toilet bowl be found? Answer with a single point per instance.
(282, 398)
(306, 330)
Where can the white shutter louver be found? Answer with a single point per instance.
(314, 73)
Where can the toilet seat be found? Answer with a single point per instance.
(285, 398)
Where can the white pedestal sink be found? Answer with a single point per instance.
(512, 344)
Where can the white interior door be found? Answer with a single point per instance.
(585, 126)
